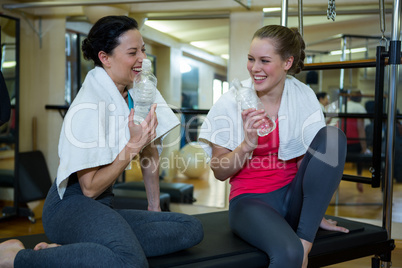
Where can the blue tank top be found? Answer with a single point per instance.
(130, 102)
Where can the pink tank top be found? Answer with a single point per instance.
(264, 172)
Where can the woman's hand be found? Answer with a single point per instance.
(94, 181)
(331, 225)
(144, 133)
(252, 119)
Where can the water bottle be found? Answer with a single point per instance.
(144, 91)
(249, 99)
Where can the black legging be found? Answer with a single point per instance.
(93, 234)
(274, 222)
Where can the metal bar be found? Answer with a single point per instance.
(17, 119)
(323, 13)
(340, 65)
(223, 15)
(393, 84)
(190, 16)
(342, 100)
(350, 58)
(352, 178)
(190, 111)
(243, 5)
(183, 111)
(378, 117)
(343, 58)
(284, 13)
(350, 115)
(366, 57)
(337, 36)
(300, 5)
(382, 17)
(46, 4)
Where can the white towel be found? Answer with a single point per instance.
(95, 128)
(300, 118)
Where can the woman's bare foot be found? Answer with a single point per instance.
(359, 187)
(8, 251)
(44, 245)
(307, 248)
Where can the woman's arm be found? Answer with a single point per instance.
(94, 181)
(225, 163)
(149, 160)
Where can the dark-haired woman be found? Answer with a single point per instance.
(98, 141)
(281, 183)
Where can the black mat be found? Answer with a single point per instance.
(132, 199)
(179, 192)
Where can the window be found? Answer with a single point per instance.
(76, 66)
(220, 87)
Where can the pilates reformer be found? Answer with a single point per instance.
(221, 248)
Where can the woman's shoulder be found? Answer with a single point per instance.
(226, 101)
(294, 84)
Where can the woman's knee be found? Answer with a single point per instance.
(329, 146)
(334, 138)
(130, 259)
(289, 256)
(196, 233)
(120, 254)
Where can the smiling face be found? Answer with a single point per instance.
(125, 61)
(267, 69)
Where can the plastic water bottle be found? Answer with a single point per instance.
(249, 99)
(144, 91)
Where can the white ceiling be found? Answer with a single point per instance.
(205, 23)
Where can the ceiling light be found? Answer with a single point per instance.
(157, 26)
(271, 9)
(9, 64)
(347, 51)
(199, 44)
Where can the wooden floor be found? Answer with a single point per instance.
(209, 192)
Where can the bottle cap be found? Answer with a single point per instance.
(146, 64)
(236, 83)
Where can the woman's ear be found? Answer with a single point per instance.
(289, 63)
(104, 58)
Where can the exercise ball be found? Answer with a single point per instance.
(133, 171)
(169, 168)
(192, 160)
